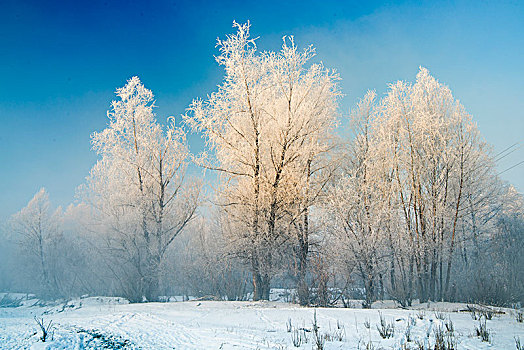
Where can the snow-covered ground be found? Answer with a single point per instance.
(96, 323)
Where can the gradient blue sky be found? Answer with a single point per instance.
(61, 62)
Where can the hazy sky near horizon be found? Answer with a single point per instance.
(62, 61)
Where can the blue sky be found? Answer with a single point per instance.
(61, 62)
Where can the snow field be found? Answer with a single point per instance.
(95, 323)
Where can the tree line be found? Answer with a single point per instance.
(408, 206)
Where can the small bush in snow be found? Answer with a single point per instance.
(449, 326)
(367, 324)
(296, 338)
(477, 313)
(518, 345)
(487, 314)
(298, 335)
(317, 336)
(445, 339)
(385, 329)
(473, 312)
(483, 332)
(407, 333)
(47, 329)
(336, 335)
(474, 315)
(340, 325)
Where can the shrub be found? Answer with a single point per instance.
(318, 338)
(385, 329)
(483, 332)
(47, 329)
(296, 338)
(407, 333)
(517, 344)
(444, 339)
(367, 324)
(450, 328)
(336, 335)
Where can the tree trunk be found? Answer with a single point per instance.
(453, 234)
(303, 242)
(266, 287)
(257, 279)
(152, 288)
(409, 295)
(369, 285)
(302, 287)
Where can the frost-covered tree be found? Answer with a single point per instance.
(302, 115)
(434, 153)
(206, 269)
(35, 228)
(139, 188)
(416, 183)
(358, 204)
(488, 264)
(267, 125)
(232, 120)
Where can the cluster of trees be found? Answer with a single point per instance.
(408, 207)
(418, 188)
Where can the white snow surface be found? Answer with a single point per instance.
(113, 323)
